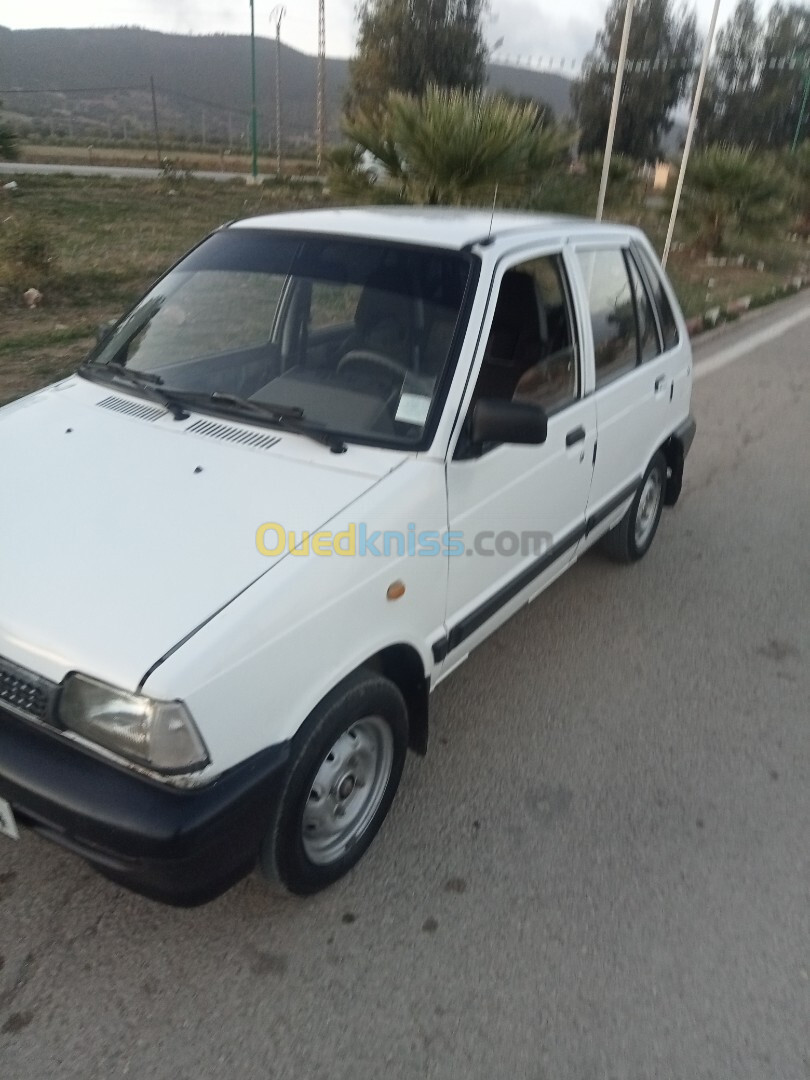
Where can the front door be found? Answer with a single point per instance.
(519, 511)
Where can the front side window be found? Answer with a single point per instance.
(531, 353)
(347, 336)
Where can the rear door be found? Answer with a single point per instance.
(634, 377)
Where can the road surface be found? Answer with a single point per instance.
(600, 872)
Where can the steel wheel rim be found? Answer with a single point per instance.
(347, 790)
(648, 504)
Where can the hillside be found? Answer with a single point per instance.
(95, 83)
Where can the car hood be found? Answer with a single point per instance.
(122, 530)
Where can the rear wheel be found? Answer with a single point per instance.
(347, 763)
(632, 537)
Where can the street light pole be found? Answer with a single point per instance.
(254, 132)
(614, 109)
(321, 77)
(276, 15)
(687, 146)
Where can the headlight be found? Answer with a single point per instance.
(157, 734)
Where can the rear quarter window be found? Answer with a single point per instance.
(666, 317)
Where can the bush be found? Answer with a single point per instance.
(730, 188)
(28, 252)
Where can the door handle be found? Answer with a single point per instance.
(575, 436)
(659, 382)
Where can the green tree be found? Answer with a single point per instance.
(730, 101)
(661, 53)
(409, 45)
(730, 187)
(451, 146)
(756, 81)
(785, 63)
(8, 142)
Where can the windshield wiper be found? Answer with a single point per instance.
(286, 417)
(147, 382)
(284, 412)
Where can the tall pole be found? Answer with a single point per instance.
(254, 132)
(690, 131)
(614, 109)
(277, 14)
(155, 119)
(321, 77)
(801, 112)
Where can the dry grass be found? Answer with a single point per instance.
(108, 239)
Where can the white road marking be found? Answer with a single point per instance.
(742, 348)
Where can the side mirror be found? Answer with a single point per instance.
(502, 421)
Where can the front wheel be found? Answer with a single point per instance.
(346, 766)
(631, 538)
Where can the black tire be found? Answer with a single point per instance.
(622, 543)
(362, 707)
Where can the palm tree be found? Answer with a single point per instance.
(731, 188)
(453, 146)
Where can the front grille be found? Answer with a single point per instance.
(23, 691)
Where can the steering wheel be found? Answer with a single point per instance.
(369, 358)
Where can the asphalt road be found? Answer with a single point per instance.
(600, 872)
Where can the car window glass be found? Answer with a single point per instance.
(647, 330)
(355, 336)
(222, 312)
(612, 311)
(531, 352)
(333, 305)
(669, 328)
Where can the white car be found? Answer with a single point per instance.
(324, 457)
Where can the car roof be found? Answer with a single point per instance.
(432, 226)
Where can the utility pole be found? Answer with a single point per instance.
(276, 15)
(155, 119)
(321, 78)
(614, 109)
(254, 134)
(687, 146)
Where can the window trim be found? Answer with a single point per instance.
(615, 245)
(646, 265)
(632, 264)
(553, 249)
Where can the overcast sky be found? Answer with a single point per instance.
(529, 27)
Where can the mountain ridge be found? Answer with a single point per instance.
(65, 82)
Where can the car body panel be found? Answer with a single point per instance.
(145, 529)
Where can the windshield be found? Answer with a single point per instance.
(348, 336)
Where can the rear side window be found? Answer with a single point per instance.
(613, 312)
(649, 346)
(669, 328)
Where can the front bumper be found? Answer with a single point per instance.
(179, 846)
